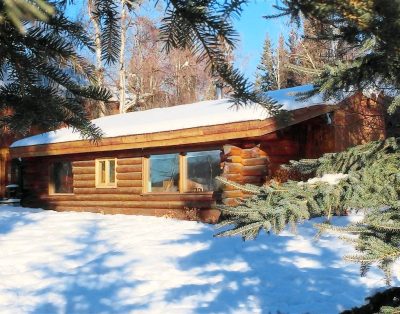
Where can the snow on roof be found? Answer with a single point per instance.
(204, 113)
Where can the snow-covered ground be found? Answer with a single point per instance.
(90, 263)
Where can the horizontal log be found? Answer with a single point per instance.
(131, 204)
(85, 177)
(234, 172)
(255, 161)
(253, 153)
(232, 167)
(129, 176)
(129, 169)
(91, 197)
(187, 199)
(257, 180)
(84, 184)
(130, 183)
(83, 163)
(201, 197)
(129, 161)
(83, 170)
(254, 170)
(106, 210)
(205, 215)
(234, 159)
(118, 196)
(119, 190)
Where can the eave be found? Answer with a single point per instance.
(198, 135)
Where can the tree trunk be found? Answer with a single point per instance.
(97, 41)
(122, 71)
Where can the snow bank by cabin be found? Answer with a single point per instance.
(204, 113)
(91, 263)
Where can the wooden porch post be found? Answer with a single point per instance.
(4, 160)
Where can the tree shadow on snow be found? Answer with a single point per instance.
(268, 275)
(221, 275)
(93, 282)
(12, 218)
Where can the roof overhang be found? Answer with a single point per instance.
(197, 135)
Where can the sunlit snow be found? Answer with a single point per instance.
(91, 263)
(204, 113)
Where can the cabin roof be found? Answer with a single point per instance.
(200, 114)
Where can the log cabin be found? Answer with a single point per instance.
(163, 161)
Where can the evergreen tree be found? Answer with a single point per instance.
(43, 80)
(203, 27)
(369, 180)
(272, 72)
(370, 30)
(265, 70)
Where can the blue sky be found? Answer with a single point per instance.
(253, 27)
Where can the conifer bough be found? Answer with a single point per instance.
(371, 183)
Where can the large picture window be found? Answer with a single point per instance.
(191, 172)
(202, 168)
(105, 173)
(61, 178)
(163, 173)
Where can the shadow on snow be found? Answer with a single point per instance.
(265, 275)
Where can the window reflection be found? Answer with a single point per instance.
(202, 168)
(62, 177)
(164, 173)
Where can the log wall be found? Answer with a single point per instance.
(126, 198)
(246, 163)
(358, 121)
(251, 160)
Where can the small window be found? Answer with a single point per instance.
(202, 168)
(61, 178)
(105, 173)
(163, 173)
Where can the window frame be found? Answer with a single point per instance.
(107, 184)
(51, 178)
(183, 172)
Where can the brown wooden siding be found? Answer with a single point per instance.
(253, 159)
(243, 164)
(126, 198)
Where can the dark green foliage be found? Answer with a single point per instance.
(384, 302)
(107, 15)
(372, 183)
(18, 11)
(370, 27)
(274, 206)
(44, 82)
